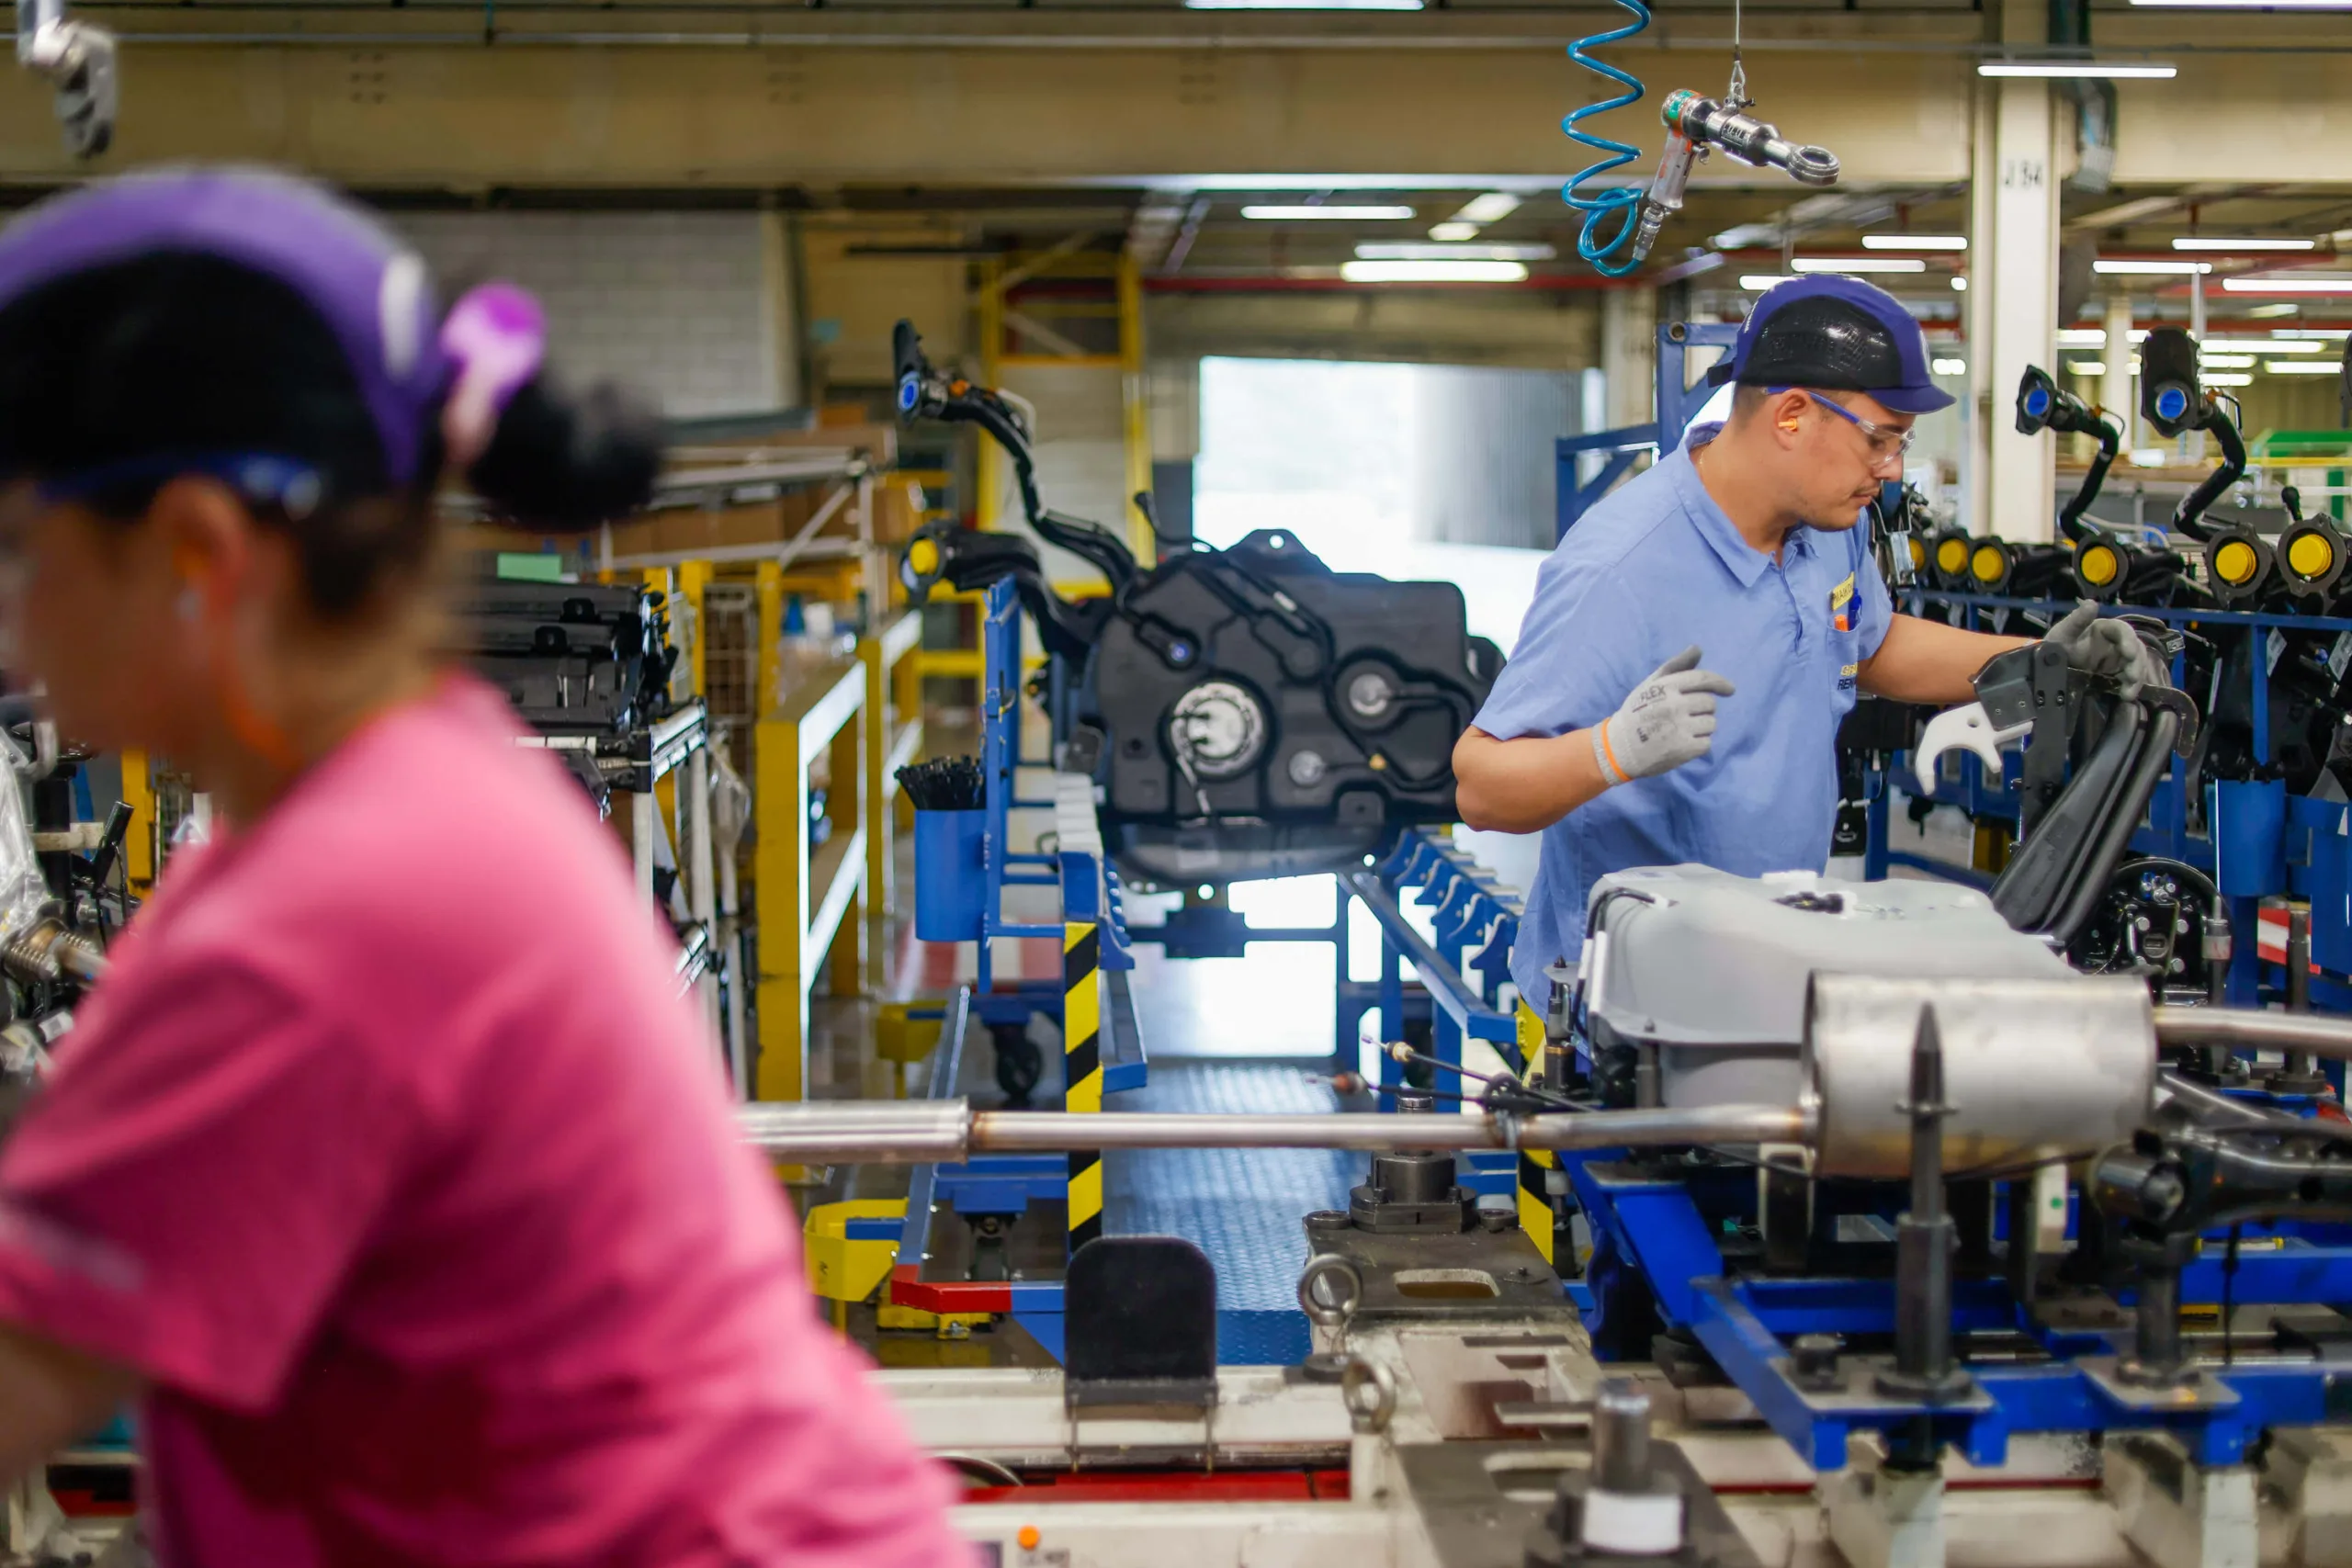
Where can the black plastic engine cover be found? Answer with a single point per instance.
(1317, 711)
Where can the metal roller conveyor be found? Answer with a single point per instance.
(949, 1132)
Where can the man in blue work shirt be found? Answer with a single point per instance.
(1604, 730)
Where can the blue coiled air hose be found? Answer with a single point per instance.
(1624, 202)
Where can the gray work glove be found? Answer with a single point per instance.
(1667, 720)
(2107, 647)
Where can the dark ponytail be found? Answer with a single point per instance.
(570, 463)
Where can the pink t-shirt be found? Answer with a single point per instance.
(390, 1154)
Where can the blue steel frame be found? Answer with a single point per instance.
(1656, 1225)
(2309, 866)
(1677, 404)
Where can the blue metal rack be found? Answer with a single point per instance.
(2260, 843)
(1677, 404)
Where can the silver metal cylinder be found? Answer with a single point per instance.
(860, 1131)
(1620, 1438)
(925, 1132)
(2322, 1035)
(2034, 1068)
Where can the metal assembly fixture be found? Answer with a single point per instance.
(2037, 1069)
(49, 952)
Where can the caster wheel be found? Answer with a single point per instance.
(1019, 1063)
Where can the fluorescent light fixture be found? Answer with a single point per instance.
(2082, 337)
(1452, 232)
(1949, 367)
(1328, 212)
(2200, 243)
(1433, 271)
(2071, 69)
(2287, 284)
(1303, 5)
(2327, 333)
(1859, 264)
(2271, 312)
(2150, 268)
(2151, 456)
(2301, 367)
(1757, 282)
(2227, 379)
(2226, 361)
(2266, 345)
(2249, 5)
(1915, 242)
(1959, 285)
(1492, 208)
(1375, 250)
(2086, 367)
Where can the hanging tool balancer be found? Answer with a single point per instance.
(1247, 711)
(1693, 124)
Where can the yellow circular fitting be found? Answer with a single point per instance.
(2096, 564)
(1918, 555)
(1951, 555)
(2310, 556)
(923, 555)
(1988, 564)
(2234, 561)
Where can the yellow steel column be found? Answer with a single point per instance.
(1133, 404)
(768, 587)
(694, 588)
(140, 848)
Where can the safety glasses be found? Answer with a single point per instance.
(1888, 444)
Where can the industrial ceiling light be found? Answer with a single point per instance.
(2280, 345)
(2133, 269)
(1434, 271)
(1859, 264)
(2231, 379)
(1949, 367)
(1915, 242)
(2249, 4)
(2204, 242)
(1328, 212)
(1375, 250)
(2287, 284)
(2082, 337)
(1757, 282)
(2268, 312)
(1302, 4)
(2226, 361)
(1960, 284)
(2329, 334)
(2086, 367)
(1451, 233)
(2078, 69)
(2300, 368)
(1491, 208)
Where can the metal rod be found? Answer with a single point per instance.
(2320, 1033)
(945, 1132)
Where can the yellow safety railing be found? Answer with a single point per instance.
(807, 901)
(893, 720)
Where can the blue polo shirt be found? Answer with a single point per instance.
(1653, 568)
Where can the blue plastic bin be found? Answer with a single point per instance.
(951, 874)
(2250, 837)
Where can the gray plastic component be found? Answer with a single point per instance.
(1714, 967)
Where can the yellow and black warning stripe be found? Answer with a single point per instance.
(1082, 1070)
(1534, 1165)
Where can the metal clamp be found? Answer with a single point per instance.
(1368, 1414)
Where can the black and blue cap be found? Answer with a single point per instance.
(1831, 334)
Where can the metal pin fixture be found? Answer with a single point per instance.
(1620, 1438)
(2295, 1075)
(1924, 1368)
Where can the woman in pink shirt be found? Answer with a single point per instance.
(385, 1168)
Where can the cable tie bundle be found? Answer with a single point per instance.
(944, 784)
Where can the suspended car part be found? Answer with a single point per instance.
(1247, 711)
